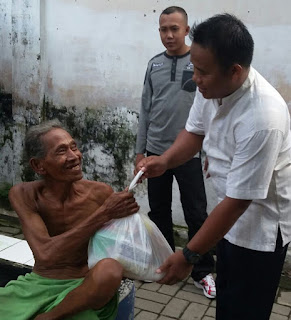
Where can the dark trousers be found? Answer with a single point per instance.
(247, 281)
(192, 194)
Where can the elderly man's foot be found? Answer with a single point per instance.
(207, 284)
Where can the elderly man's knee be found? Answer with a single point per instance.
(108, 270)
(102, 282)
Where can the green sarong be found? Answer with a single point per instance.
(30, 295)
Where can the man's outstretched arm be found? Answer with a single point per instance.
(218, 223)
(186, 145)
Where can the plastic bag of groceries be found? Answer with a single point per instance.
(134, 241)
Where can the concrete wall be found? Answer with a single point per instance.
(84, 62)
(95, 52)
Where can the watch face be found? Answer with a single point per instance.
(191, 256)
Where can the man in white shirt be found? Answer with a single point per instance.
(243, 124)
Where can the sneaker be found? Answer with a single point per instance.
(208, 286)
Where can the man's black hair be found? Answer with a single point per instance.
(227, 37)
(174, 9)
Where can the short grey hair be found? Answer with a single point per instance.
(34, 146)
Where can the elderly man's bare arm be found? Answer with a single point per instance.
(58, 233)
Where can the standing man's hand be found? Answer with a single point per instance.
(152, 166)
(176, 268)
(139, 157)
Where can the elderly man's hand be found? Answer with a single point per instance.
(120, 204)
(176, 268)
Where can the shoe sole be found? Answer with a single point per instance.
(199, 286)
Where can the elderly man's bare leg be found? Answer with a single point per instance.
(98, 288)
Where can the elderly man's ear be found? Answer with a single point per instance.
(37, 166)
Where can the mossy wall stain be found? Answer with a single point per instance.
(6, 135)
(105, 137)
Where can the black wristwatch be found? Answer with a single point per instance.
(191, 256)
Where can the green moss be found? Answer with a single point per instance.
(6, 119)
(4, 191)
(5, 108)
(27, 173)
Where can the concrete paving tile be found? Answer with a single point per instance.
(275, 316)
(166, 318)
(153, 296)
(207, 318)
(194, 311)
(284, 298)
(175, 308)
(171, 290)
(189, 280)
(136, 311)
(192, 297)
(148, 305)
(280, 309)
(137, 284)
(145, 315)
(213, 303)
(151, 286)
(210, 312)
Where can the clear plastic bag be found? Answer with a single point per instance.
(134, 241)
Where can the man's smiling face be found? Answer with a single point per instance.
(63, 158)
(213, 82)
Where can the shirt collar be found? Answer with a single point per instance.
(241, 90)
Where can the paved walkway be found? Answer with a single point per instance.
(162, 302)
(184, 301)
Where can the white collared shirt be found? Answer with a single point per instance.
(248, 145)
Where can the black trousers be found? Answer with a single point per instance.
(247, 281)
(189, 177)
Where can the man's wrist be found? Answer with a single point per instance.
(165, 159)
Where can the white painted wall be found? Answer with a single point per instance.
(6, 47)
(96, 52)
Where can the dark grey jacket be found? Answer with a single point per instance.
(167, 97)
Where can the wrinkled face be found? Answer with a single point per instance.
(212, 81)
(173, 30)
(63, 159)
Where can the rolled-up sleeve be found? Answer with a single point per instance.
(194, 122)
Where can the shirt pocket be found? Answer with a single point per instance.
(187, 83)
